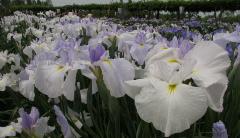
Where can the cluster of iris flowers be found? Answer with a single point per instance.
(87, 77)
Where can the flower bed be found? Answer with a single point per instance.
(87, 77)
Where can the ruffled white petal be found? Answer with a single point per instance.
(171, 113)
(50, 80)
(210, 71)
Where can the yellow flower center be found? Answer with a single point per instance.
(60, 68)
(173, 60)
(172, 88)
(141, 45)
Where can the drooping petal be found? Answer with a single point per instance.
(41, 127)
(62, 121)
(69, 85)
(171, 109)
(115, 72)
(139, 52)
(209, 71)
(50, 79)
(215, 93)
(26, 88)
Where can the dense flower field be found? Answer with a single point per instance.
(97, 78)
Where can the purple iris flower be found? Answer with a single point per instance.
(140, 48)
(184, 33)
(62, 121)
(65, 50)
(193, 23)
(218, 31)
(96, 52)
(219, 130)
(29, 120)
(140, 38)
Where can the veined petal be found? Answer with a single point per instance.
(170, 54)
(209, 56)
(115, 72)
(215, 93)
(162, 70)
(210, 71)
(62, 121)
(171, 110)
(50, 79)
(139, 52)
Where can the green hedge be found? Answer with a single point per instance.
(192, 6)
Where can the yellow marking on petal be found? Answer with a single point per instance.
(60, 68)
(173, 60)
(172, 88)
(41, 46)
(13, 129)
(141, 45)
(107, 61)
(163, 48)
(194, 71)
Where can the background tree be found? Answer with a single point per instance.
(29, 2)
(39, 2)
(49, 2)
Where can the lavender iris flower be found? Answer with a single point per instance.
(140, 38)
(140, 48)
(42, 57)
(29, 120)
(96, 52)
(33, 125)
(65, 50)
(183, 45)
(62, 121)
(219, 130)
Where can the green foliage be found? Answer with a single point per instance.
(192, 6)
